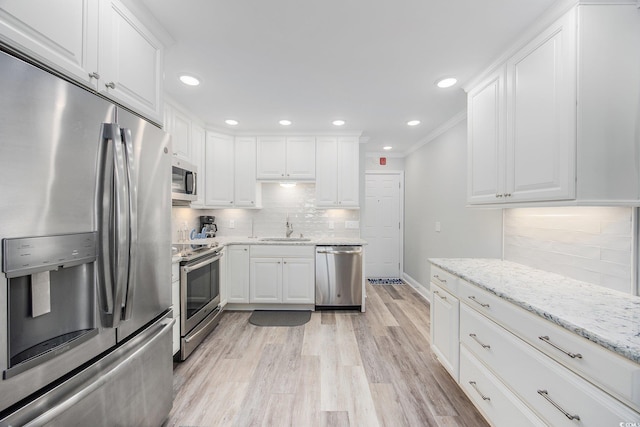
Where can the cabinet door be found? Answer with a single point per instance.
(198, 158)
(301, 158)
(326, 171)
(298, 280)
(246, 188)
(271, 157)
(130, 61)
(348, 172)
(61, 34)
(238, 274)
(265, 280)
(541, 116)
(181, 135)
(445, 320)
(219, 170)
(485, 140)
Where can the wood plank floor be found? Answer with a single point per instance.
(340, 369)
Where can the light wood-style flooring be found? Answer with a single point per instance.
(343, 368)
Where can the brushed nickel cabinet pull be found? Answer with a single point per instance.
(478, 341)
(110, 85)
(545, 394)
(473, 384)
(441, 297)
(568, 353)
(435, 276)
(472, 298)
(94, 75)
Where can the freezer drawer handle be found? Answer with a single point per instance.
(475, 386)
(545, 394)
(568, 353)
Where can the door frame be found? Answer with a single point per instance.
(400, 174)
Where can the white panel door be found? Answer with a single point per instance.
(348, 172)
(219, 170)
(271, 157)
(326, 171)
(266, 280)
(298, 280)
(301, 158)
(245, 172)
(381, 225)
(238, 274)
(181, 136)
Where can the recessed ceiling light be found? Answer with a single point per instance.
(285, 122)
(231, 122)
(413, 122)
(446, 82)
(388, 147)
(338, 122)
(189, 80)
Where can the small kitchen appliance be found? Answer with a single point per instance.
(207, 223)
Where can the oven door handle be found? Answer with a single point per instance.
(190, 268)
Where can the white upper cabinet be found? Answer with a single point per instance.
(337, 166)
(286, 158)
(63, 35)
(247, 191)
(130, 60)
(180, 130)
(543, 126)
(219, 159)
(100, 44)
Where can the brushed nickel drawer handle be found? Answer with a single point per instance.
(472, 298)
(435, 276)
(545, 394)
(441, 297)
(568, 353)
(479, 342)
(473, 384)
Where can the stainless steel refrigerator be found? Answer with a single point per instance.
(85, 208)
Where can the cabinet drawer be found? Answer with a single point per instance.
(605, 368)
(445, 280)
(283, 251)
(551, 390)
(498, 404)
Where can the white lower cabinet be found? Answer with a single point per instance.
(237, 290)
(175, 300)
(282, 274)
(444, 328)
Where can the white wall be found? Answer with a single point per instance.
(435, 190)
(592, 244)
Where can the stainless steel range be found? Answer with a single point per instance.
(199, 296)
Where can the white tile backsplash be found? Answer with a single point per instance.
(277, 203)
(592, 244)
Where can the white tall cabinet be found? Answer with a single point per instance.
(100, 44)
(549, 123)
(286, 158)
(337, 172)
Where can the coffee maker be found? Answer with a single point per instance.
(208, 224)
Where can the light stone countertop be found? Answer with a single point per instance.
(607, 317)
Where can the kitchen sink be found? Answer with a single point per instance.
(285, 239)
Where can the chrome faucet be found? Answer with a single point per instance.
(289, 227)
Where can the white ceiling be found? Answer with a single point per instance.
(372, 63)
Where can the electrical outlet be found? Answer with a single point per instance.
(331, 225)
(232, 223)
(352, 224)
(437, 226)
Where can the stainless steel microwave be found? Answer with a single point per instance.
(183, 181)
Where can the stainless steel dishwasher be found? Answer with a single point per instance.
(339, 276)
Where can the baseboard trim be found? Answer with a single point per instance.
(422, 290)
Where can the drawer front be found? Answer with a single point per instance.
(492, 398)
(552, 391)
(283, 251)
(445, 280)
(612, 372)
(175, 272)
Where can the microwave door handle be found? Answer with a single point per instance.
(194, 185)
(132, 196)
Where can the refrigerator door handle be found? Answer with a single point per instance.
(113, 212)
(133, 221)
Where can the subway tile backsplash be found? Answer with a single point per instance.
(592, 244)
(297, 202)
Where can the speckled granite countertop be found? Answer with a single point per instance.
(607, 317)
(234, 240)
